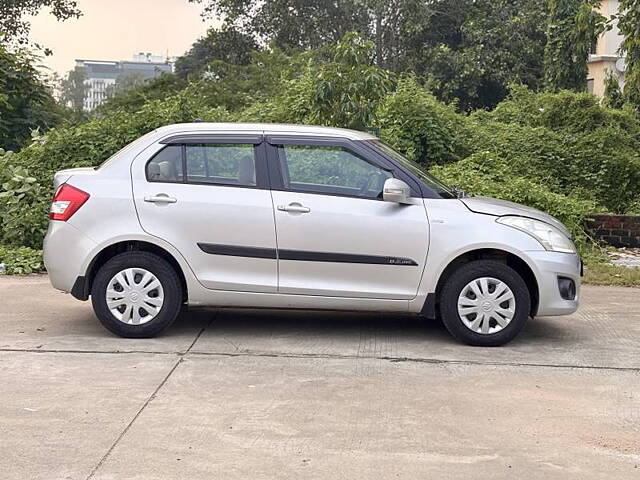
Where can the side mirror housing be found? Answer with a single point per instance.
(397, 191)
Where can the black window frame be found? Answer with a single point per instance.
(184, 140)
(276, 176)
(146, 166)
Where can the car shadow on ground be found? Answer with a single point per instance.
(331, 327)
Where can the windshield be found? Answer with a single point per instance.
(431, 181)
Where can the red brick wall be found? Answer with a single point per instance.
(616, 230)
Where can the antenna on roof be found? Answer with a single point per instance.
(198, 120)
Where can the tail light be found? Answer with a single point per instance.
(66, 202)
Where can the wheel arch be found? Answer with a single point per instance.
(508, 258)
(82, 288)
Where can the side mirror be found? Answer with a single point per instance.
(395, 190)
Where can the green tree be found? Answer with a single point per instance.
(73, 90)
(305, 24)
(227, 45)
(629, 25)
(469, 51)
(292, 23)
(344, 92)
(26, 103)
(134, 98)
(613, 97)
(348, 90)
(14, 26)
(572, 29)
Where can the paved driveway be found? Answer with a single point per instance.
(246, 395)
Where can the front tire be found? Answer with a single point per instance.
(485, 303)
(136, 295)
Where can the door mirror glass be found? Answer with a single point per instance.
(395, 190)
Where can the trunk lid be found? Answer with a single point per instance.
(63, 176)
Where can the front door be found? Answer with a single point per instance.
(209, 198)
(336, 236)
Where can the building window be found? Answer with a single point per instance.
(590, 85)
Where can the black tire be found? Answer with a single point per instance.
(464, 275)
(165, 274)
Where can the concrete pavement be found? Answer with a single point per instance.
(239, 394)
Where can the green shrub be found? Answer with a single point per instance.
(567, 142)
(414, 122)
(21, 260)
(22, 224)
(565, 111)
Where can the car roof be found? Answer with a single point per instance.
(265, 128)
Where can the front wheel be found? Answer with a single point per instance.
(136, 295)
(485, 303)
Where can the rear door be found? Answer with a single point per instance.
(336, 236)
(209, 197)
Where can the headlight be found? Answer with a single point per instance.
(549, 236)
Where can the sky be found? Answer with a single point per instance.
(118, 29)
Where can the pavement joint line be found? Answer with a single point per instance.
(135, 417)
(202, 330)
(147, 402)
(106, 352)
(433, 361)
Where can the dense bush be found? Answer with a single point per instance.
(568, 142)
(413, 121)
(20, 260)
(566, 112)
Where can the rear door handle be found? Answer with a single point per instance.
(294, 208)
(160, 198)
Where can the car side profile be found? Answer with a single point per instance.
(300, 217)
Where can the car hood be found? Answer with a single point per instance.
(498, 208)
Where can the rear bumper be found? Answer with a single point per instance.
(550, 266)
(65, 251)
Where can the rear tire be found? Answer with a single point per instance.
(506, 308)
(136, 295)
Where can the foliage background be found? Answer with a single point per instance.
(561, 152)
(486, 94)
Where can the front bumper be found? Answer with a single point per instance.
(549, 266)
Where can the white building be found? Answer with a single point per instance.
(101, 75)
(606, 58)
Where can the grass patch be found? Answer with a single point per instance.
(598, 273)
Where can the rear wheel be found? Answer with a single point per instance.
(485, 303)
(136, 294)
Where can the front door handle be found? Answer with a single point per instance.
(294, 208)
(160, 198)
